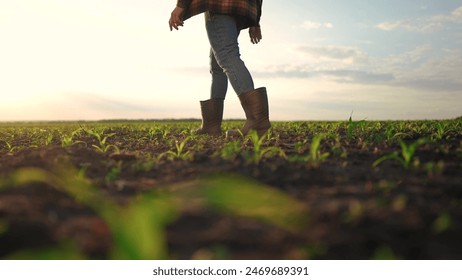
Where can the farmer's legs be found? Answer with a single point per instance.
(219, 79)
(223, 33)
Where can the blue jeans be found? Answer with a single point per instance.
(225, 59)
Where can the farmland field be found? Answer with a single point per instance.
(307, 190)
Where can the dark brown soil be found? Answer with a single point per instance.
(355, 211)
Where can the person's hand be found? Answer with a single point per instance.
(255, 34)
(176, 18)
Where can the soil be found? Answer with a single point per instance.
(355, 211)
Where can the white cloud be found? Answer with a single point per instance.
(439, 72)
(417, 25)
(310, 25)
(457, 14)
(338, 54)
(424, 25)
(422, 68)
(388, 26)
(407, 60)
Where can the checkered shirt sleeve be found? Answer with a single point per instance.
(247, 8)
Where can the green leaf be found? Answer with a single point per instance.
(442, 223)
(60, 252)
(248, 198)
(139, 229)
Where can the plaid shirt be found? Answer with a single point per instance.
(250, 9)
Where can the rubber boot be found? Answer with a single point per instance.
(212, 116)
(255, 105)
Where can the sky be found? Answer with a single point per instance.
(320, 60)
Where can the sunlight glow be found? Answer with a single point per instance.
(118, 59)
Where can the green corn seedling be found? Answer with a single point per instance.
(179, 152)
(9, 147)
(231, 150)
(102, 146)
(316, 156)
(405, 157)
(49, 139)
(353, 126)
(259, 151)
(68, 139)
(441, 132)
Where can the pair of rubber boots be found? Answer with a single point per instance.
(255, 105)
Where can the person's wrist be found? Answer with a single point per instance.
(181, 4)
